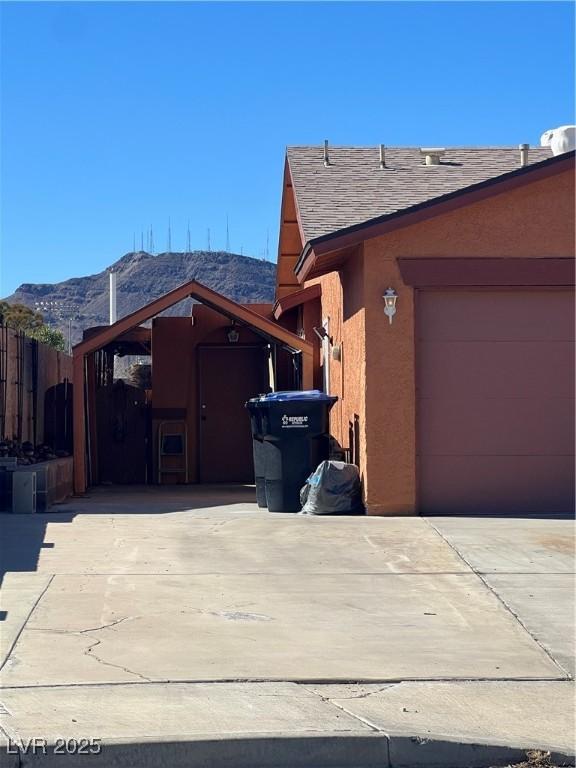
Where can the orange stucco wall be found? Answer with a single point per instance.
(174, 366)
(343, 303)
(375, 380)
(536, 220)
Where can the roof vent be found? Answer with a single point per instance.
(523, 154)
(326, 156)
(382, 156)
(432, 155)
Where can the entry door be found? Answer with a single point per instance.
(496, 401)
(229, 376)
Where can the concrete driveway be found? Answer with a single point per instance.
(193, 600)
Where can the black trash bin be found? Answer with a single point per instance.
(296, 438)
(254, 407)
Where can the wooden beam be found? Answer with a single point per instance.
(296, 298)
(79, 424)
(290, 240)
(285, 274)
(307, 370)
(93, 468)
(205, 295)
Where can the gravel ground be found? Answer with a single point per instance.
(533, 760)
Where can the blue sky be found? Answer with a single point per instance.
(118, 116)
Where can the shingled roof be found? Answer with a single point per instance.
(354, 189)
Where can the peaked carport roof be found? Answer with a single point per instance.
(206, 296)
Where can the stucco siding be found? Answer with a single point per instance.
(343, 302)
(536, 220)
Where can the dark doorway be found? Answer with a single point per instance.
(228, 377)
(123, 427)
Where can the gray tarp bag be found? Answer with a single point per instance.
(332, 489)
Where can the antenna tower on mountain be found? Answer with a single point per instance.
(209, 249)
(169, 249)
(188, 244)
(227, 236)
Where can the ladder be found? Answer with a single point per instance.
(172, 449)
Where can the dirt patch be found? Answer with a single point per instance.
(562, 544)
(534, 759)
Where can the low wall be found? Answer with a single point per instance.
(57, 483)
(54, 483)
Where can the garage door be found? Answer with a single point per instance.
(495, 389)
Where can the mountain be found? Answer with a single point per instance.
(143, 277)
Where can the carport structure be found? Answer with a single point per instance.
(128, 331)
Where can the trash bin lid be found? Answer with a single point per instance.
(255, 402)
(310, 394)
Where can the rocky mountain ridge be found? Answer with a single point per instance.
(142, 277)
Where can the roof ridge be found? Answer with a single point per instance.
(475, 148)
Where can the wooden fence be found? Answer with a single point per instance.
(35, 391)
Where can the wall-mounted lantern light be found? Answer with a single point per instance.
(390, 296)
(232, 334)
(322, 334)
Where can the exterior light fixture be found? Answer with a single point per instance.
(390, 296)
(322, 334)
(232, 334)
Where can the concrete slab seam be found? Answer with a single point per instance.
(479, 574)
(26, 620)
(387, 682)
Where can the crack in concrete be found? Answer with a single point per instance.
(365, 695)
(81, 631)
(107, 626)
(502, 602)
(88, 652)
(353, 715)
(368, 693)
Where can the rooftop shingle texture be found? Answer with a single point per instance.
(354, 189)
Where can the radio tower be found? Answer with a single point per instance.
(188, 244)
(141, 241)
(267, 243)
(209, 249)
(151, 239)
(227, 236)
(169, 237)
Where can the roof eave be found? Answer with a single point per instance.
(296, 299)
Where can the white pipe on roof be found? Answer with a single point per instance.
(113, 316)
